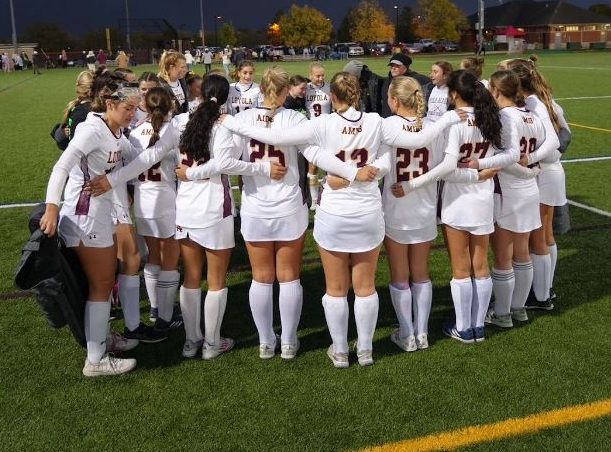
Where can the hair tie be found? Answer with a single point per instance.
(416, 92)
(214, 99)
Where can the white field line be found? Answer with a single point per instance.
(582, 98)
(586, 159)
(578, 67)
(604, 213)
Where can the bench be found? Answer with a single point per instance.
(573, 46)
(598, 45)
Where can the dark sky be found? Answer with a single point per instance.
(78, 16)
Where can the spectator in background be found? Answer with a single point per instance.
(38, 61)
(83, 59)
(227, 60)
(122, 60)
(207, 59)
(102, 58)
(189, 59)
(370, 85)
(399, 65)
(90, 58)
(64, 59)
(26, 61)
(18, 62)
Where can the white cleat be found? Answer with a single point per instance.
(407, 344)
(212, 351)
(422, 341)
(289, 351)
(189, 350)
(108, 365)
(117, 343)
(340, 360)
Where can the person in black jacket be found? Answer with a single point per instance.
(172, 72)
(369, 83)
(399, 65)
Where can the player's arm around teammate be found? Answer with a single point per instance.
(85, 222)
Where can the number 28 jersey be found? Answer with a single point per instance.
(417, 208)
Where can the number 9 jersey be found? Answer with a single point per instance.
(318, 100)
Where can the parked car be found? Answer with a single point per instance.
(446, 46)
(410, 48)
(355, 50)
(426, 45)
(378, 48)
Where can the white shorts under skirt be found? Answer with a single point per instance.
(517, 213)
(120, 215)
(161, 228)
(283, 229)
(74, 229)
(552, 185)
(413, 236)
(485, 229)
(219, 236)
(349, 234)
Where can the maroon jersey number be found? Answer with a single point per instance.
(152, 175)
(317, 109)
(359, 155)
(470, 152)
(259, 151)
(187, 160)
(405, 158)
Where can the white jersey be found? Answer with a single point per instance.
(464, 204)
(263, 197)
(155, 189)
(418, 207)
(93, 151)
(438, 103)
(205, 202)
(139, 117)
(534, 105)
(318, 100)
(193, 104)
(521, 129)
(242, 97)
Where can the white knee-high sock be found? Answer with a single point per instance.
(166, 293)
(261, 297)
(97, 314)
(422, 296)
(366, 318)
(503, 283)
(553, 255)
(190, 306)
(402, 302)
(151, 275)
(214, 309)
(541, 275)
(129, 293)
(336, 314)
(290, 300)
(482, 291)
(462, 297)
(314, 187)
(523, 272)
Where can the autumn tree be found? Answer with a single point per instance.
(305, 26)
(369, 22)
(440, 19)
(602, 9)
(405, 31)
(228, 35)
(343, 32)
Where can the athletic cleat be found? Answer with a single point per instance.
(466, 337)
(502, 321)
(268, 351)
(153, 314)
(108, 365)
(289, 351)
(533, 303)
(422, 341)
(407, 344)
(116, 343)
(552, 294)
(164, 327)
(212, 351)
(190, 349)
(340, 360)
(479, 334)
(519, 314)
(365, 357)
(145, 334)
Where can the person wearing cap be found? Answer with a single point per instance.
(207, 59)
(399, 65)
(369, 84)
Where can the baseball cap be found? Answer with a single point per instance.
(400, 58)
(354, 67)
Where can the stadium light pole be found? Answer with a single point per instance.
(481, 23)
(396, 23)
(128, 39)
(216, 33)
(201, 22)
(14, 35)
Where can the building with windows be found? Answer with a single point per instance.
(542, 25)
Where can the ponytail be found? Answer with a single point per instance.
(195, 140)
(159, 105)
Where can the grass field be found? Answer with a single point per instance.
(239, 402)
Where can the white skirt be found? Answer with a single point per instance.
(485, 229)
(74, 229)
(517, 213)
(120, 215)
(413, 236)
(219, 236)
(552, 185)
(161, 228)
(283, 229)
(349, 234)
